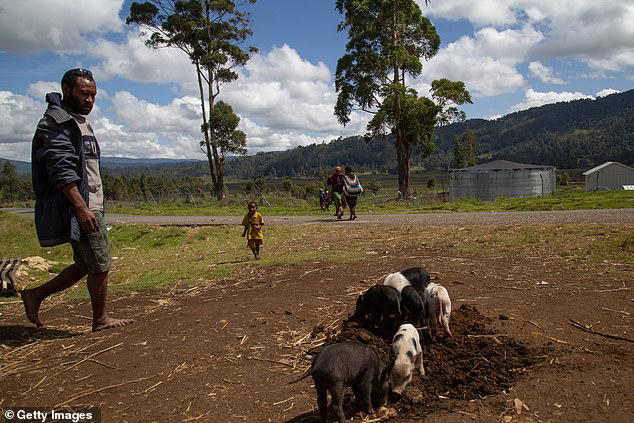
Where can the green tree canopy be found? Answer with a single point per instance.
(464, 149)
(386, 41)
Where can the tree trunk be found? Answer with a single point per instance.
(221, 175)
(403, 151)
(218, 177)
(402, 146)
(206, 131)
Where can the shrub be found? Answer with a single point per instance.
(563, 178)
(373, 187)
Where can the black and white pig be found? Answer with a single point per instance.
(415, 276)
(437, 307)
(412, 307)
(340, 365)
(408, 356)
(382, 303)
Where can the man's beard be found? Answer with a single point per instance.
(75, 106)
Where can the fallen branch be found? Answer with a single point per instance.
(301, 340)
(555, 339)
(612, 290)
(34, 386)
(309, 271)
(76, 397)
(93, 355)
(534, 324)
(283, 401)
(103, 364)
(616, 311)
(196, 418)
(153, 386)
(588, 329)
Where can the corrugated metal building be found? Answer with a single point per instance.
(609, 175)
(501, 178)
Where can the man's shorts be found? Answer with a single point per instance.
(93, 250)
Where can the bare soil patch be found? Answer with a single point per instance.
(225, 352)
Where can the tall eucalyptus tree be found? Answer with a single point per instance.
(387, 39)
(212, 33)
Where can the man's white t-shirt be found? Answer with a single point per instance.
(91, 154)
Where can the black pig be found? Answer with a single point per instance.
(340, 365)
(382, 303)
(411, 305)
(417, 276)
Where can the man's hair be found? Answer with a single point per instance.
(254, 203)
(70, 77)
(348, 169)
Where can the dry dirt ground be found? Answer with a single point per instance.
(225, 352)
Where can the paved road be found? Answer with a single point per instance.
(624, 216)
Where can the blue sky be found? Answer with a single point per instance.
(511, 54)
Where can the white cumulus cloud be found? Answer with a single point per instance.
(544, 73)
(39, 89)
(534, 98)
(28, 26)
(134, 61)
(598, 32)
(487, 62)
(606, 91)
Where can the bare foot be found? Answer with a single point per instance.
(31, 307)
(109, 322)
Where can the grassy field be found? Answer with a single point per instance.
(282, 204)
(147, 257)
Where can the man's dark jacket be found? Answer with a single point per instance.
(57, 159)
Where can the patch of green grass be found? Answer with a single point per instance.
(564, 198)
(19, 240)
(590, 244)
(152, 257)
(628, 244)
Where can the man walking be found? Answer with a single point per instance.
(69, 197)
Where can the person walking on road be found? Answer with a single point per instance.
(336, 184)
(65, 160)
(352, 191)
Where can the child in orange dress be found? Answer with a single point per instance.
(252, 223)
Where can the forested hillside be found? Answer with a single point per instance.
(576, 134)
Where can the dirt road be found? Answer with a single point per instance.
(625, 216)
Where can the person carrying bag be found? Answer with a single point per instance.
(352, 190)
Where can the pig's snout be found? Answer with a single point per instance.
(398, 392)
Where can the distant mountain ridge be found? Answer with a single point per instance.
(576, 134)
(120, 163)
(569, 135)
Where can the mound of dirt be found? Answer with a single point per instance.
(475, 362)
